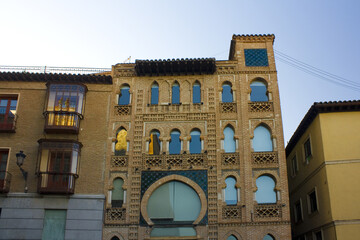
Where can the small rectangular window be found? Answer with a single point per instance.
(8, 106)
(298, 212)
(4, 175)
(318, 235)
(312, 202)
(294, 166)
(307, 150)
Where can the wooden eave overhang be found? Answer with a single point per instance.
(54, 78)
(175, 67)
(315, 109)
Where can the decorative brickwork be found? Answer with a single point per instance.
(119, 162)
(228, 107)
(122, 110)
(261, 107)
(264, 157)
(267, 211)
(115, 216)
(230, 160)
(231, 213)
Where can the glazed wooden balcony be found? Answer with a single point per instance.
(56, 183)
(175, 161)
(8, 125)
(5, 179)
(62, 122)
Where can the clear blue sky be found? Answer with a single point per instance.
(92, 33)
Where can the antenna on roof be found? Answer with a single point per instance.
(128, 59)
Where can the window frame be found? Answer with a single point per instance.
(307, 150)
(311, 209)
(294, 165)
(6, 126)
(296, 214)
(314, 233)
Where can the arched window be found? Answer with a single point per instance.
(230, 191)
(262, 140)
(117, 195)
(124, 97)
(174, 202)
(195, 141)
(229, 141)
(227, 93)
(155, 93)
(121, 142)
(175, 143)
(115, 238)
(268, 237)
(175, 98)
(154, 145)
(231, 237)
(258, 91)
(196, 92)
(265, 190)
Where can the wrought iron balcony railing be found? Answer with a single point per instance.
(5, 179)
(8, 125)
(62, 121)
(57, 183)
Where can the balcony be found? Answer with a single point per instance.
(8, 125)
(230, 160)
(56, 183)
(121, 110)
(228, 107)
(231, 213)
(62, 122)
(261, 107)
(118, 162)
(115, 215)
(5, 179)
(264, 159)
(175, 161)
(266, 211)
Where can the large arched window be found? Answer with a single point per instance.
(258, 91)
(265, 190)
(196, 92)
(175, 142)
(115, 238)
(227, 93)
(230, 191)
(174, 201)
(262, 140)
(268, 237)
(117, 195)
(229, 141)
(155, 93)
(121, 142)
(195, 141)
(154, 145)
(175, 98)
(124, 97)
(231, 237)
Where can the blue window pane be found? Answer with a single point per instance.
(229, 141)
(196, 93)
(258, 92)
(268, 237)
(262, 140)
(227, 95)
(232, 237)
(265, 190)
(175, 143)
(124, 98)
(195, 143)
(175, 94)
(155, 94)
(230, 191)
(256, 58)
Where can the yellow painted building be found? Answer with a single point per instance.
(323, 158)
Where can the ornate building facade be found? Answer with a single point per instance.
(195, 148)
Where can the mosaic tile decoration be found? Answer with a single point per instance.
(256, 58)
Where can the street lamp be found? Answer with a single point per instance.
(20, 157)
